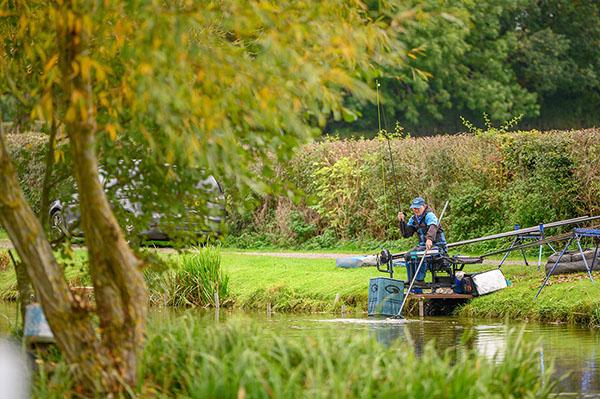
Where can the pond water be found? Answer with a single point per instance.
(574, 350)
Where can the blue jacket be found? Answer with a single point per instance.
(426, 227)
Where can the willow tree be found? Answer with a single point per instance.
(222, 86)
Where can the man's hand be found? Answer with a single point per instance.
(401, 216)
(428, 244)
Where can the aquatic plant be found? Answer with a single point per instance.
(192, 279)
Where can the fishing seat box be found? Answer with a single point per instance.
(36, 328)
(385, 296)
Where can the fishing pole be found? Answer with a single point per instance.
(385, 134)
(399, 315)
(561, 237)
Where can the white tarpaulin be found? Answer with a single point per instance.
(487, 282)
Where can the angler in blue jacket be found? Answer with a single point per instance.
(424, 223)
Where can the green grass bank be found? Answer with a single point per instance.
(316, 285)
(292, 284)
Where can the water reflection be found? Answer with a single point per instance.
(571, 350)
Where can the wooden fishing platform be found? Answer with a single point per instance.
(444, 300)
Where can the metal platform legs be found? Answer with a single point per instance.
(578, 234)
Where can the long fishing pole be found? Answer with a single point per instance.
(399, 315)
(395, 178)
(561, 237)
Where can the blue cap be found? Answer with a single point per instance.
(417, 202)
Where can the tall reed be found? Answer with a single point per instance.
(237, 359)
(192, 280)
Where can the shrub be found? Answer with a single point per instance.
(326, 240)
(301, 229)
(352, 193)
(28, 151)
(493, 181)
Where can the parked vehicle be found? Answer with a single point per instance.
(65, 215)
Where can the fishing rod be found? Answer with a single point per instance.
(560, 237)
(379, 115)
(399, 315)
(527, 230)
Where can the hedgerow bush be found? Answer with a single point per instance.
(28, 152)
(493, 182)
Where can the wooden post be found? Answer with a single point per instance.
(337, 299)
(217, 306)
(217, 303)
(268, 309)
(421, 307)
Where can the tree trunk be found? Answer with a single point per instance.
(70, 324)
(103, 359)
(119, 287)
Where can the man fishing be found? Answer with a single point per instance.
(424, 222)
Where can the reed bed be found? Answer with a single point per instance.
(191, 279)
(185, 358)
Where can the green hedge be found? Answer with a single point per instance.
(28, 151)
(492, 180)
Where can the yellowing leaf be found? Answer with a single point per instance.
(423, 74)
(264, 96)
(85, 64)
(50, 64)
(70, 114)
(75, 68)
(297, 105)
(145, 69)
(58, 155)
(112, 131)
